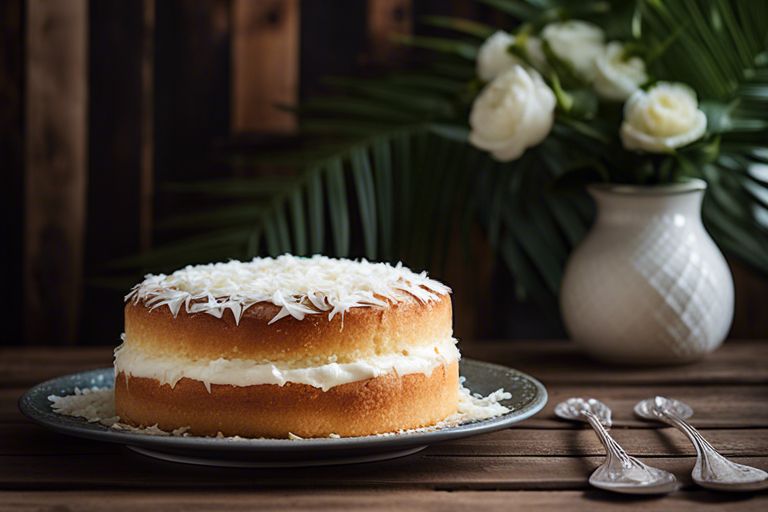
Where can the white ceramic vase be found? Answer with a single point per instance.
(648, 285)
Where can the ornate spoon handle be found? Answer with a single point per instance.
(710, 464)
(617, 456)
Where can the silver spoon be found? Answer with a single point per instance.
(620, 472)
(712, 470)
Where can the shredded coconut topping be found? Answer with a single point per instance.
(300, 286)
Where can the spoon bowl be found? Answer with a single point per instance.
(636, 480)
(573, 408)
(652, 408)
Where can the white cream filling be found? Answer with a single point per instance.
(243, 372)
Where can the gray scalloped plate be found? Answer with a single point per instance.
(528, 397)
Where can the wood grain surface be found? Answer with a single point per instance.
(541, 464)
(56, 160)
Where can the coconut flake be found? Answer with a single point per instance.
(299, 286)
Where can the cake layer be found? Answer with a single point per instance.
(131, 360)
(383, 404)
(360, 333)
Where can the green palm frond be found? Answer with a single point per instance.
(390, 174)
(722, 52)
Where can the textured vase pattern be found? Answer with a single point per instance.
(648, 285)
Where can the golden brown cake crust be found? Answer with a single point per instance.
(363, 332)
(383, 404)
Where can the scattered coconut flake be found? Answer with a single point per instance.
(300, 286)
(97, 405)
(476, 407)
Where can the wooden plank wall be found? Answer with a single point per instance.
(387, 18)
(56, 166)
(12, 163)
(265, 65)
(121, 149)
(105, 99)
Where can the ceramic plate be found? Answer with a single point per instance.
(528, 397)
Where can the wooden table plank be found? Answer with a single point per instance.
(132, 471)
(665, 442)
(715, 406)
(25, 367)
(737, 361)
(378, 501)
(25, 439)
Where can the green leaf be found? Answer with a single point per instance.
(463, 25)
(264, 186)
(382, 169)
(518, 9)
(273, 240)
(366, 198)
(316, 217)
(204, 248)
(449, 46)
(339, 214)
(456, 133)
(298, 222)
(215, 217)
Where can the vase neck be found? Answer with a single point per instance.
(634, 205)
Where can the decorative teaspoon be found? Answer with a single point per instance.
(620, 472)
(712, 470)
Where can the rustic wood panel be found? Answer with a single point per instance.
(12, 164)
(378, 500)
(39, 364)
(20, 438)
(661, 442)
(121, 152)
(557, 362)
(89, 471)
(333, 41)
(386, 19)
(751, 296)
(192, 94)
(715, 406)
(56, 165)
(265, 65)
(718, 406)
(121, 126)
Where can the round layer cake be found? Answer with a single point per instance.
(308, 346)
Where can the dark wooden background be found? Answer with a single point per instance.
(101, 101)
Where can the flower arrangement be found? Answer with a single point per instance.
(495, 127)
(568, 69)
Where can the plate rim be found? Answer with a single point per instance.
(324, 444)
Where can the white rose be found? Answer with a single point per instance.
(662, 119)
(493, 57)
(576, 42)
(617, 78)
(513, 112)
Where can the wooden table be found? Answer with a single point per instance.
(543, 464)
